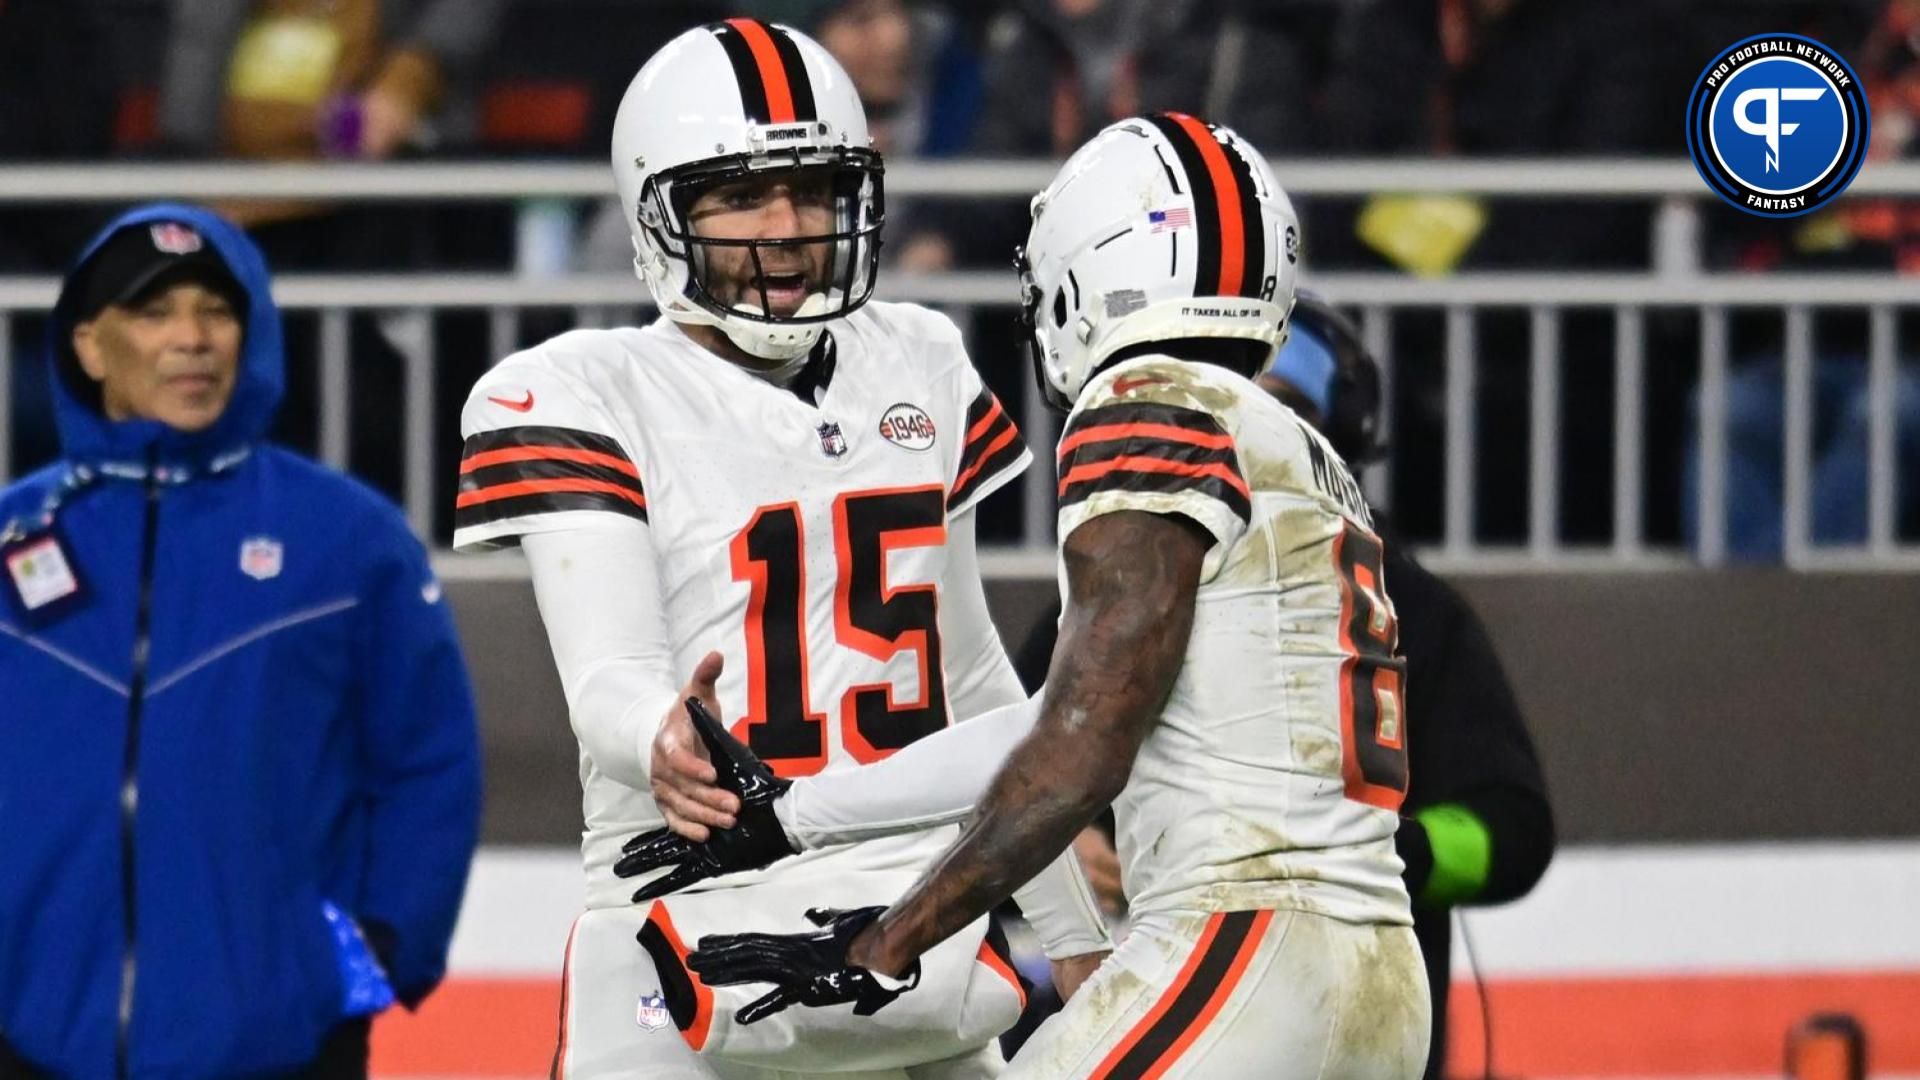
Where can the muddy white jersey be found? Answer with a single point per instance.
(1274, 776)
(799, 531)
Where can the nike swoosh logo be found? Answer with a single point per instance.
(1126, 383)
(523, 405)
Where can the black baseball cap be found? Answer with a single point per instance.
(143, 258)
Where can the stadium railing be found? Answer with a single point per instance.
(1675, 280)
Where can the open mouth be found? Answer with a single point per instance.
(783, 291)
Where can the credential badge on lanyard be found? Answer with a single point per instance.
(45, 582)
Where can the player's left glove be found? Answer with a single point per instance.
(806, 969)
(755, 840)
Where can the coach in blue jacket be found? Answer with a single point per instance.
(239, 770)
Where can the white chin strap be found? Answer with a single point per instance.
(776, 341)
(769, 341)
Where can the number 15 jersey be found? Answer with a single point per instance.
(1274, 775)
(800, 531)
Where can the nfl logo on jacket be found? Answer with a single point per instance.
(260, 557)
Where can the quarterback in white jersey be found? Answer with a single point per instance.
(766, 496)
(1226, 675)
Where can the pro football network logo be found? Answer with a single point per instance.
(1777, 125)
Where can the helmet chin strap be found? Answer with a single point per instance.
(768, 341)
(776, 341)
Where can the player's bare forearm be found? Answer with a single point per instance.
(1131, 581)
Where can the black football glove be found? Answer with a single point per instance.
(756, 839)
(806, 969)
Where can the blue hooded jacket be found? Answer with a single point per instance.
(296, 728)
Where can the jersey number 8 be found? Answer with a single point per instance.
(1373, 702)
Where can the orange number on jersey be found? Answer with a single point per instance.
(870, 616)
(1373, 710)
(881, 621)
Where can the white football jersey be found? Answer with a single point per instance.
(1274, 776)
(800, 531)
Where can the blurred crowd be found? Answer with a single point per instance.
(465, 79)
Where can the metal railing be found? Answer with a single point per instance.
(1674, 281)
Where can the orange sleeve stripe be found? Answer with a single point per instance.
(511, 454)
(994, 412)
(542, 487)
(696, 1033)
(773, 74)
(1233, 256)
(1154, 465)
(1000, 968)
(986, 456)
(1108, 432)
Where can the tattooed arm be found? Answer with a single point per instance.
(1131, 581)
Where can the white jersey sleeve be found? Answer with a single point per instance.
(979, 675)
(1152, 435)
(541, 454)
(599, 597)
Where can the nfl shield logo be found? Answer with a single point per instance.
(260, 557)
(832, 442)
(174, 238)
(652, 1012)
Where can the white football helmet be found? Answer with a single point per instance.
(1160, 228)
(722, 102)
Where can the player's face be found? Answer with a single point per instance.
(171, 357)
(770, 207)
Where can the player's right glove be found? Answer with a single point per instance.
(806, 969)
(755, 840)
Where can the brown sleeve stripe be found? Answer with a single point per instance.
(983, 416)
(489, 458)
(1204, 983)
(1145, 432)
(518, 471)
(992, 444)
(1157, 476)
(1150, 447)
(1142, 412)
(1091, 472)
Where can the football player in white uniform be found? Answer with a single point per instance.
(763, 500)
(1226, 675)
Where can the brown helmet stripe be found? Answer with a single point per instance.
(774, 88)
(1226, 208)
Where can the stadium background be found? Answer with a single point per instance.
(1604, 386)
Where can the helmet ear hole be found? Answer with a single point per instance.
(1059, 308)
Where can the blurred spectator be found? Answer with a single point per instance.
(920, 82)
(57, 99)
(239, 734)
(1279, 71)
(299, 80)
(302, 79)
(58, 79)
(1500, 78)
(1057, 72)
(1838, 472)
